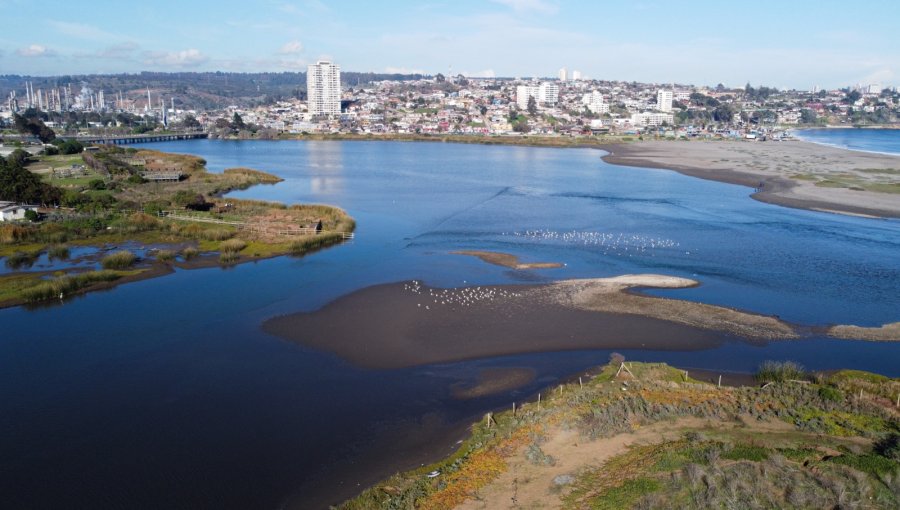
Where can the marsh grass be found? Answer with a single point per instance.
(232, 245)
(22, 259)
(64, 285)
(165, 255)
(189, 253)
(58, 251)
(119, 260)
(229, 257)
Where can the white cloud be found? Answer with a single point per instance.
(35, 50)
(185, 58)
(529, 5)
(291, 48)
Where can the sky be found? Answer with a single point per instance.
(787, 43)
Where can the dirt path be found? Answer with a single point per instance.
(528, 486)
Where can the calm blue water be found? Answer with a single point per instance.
(871, 140)
(165, 394)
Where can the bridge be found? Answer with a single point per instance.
(144, 138)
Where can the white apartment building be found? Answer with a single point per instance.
(543, 94)
(664, 100)
(653, 119)
(594, 102)
(563, 74)
(576, 75)
(323, 88)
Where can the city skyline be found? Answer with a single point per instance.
(790, 46)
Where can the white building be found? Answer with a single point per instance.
(576, 75)
(664, 100)
(543, 94)
(323, 88)
(653, 119)
(594, 102)
(563, 74)
(10, 211)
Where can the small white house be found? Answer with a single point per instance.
(10, 211)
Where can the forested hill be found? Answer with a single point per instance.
(204, 90)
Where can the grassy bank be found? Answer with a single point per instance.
(114, 203)
(648, 437)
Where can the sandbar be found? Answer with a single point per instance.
(409, 324)
(506, 260)
(794, 174)
(886, 333)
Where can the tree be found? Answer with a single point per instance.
(532, 106)
(237, 123)
(440, 78)
(808, 116)
(190, 122)
(853, 96)
(723, 114)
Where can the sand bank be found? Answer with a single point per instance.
(408, 324)
(795, 174)
(506, 260)
(886, 333)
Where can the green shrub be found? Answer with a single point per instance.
(189, 253)
(831, 394)
(165, 255)
(779, 371)
(119, 260)
(228, 257)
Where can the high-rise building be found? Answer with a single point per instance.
(563, 74)
(323, 88)
(543, 94)
(664, 100)
(594, 102)
(576, 75)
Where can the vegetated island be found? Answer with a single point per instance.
(795, 174)
(645, 435)
(507, 260)
(144, 212)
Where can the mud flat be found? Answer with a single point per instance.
(507, 260)
(408, 324)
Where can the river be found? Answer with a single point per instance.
(165, 393)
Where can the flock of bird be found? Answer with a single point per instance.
(616, 242)
(465, 296)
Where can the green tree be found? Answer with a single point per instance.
(532, 106)
(808, 116)
(237, 123)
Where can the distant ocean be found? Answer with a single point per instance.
(885, 141)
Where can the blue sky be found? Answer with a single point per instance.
(787, 43)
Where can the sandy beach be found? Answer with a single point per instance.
(795, 174)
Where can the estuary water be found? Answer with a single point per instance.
(166, 394)
(885, 141)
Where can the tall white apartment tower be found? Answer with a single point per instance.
(563, 74)
(664, 100)
(323, 88)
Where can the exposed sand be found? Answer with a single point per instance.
(507, 260)
(408, 324)
(608, 295)
(886, 333)
(789, 172)
(526, 485)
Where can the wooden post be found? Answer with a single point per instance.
(560, 389)
(898, 400)
(539, 399)
(685, 375)
(490, 419)
(580, 384)
(514, 408)
(720, 380)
